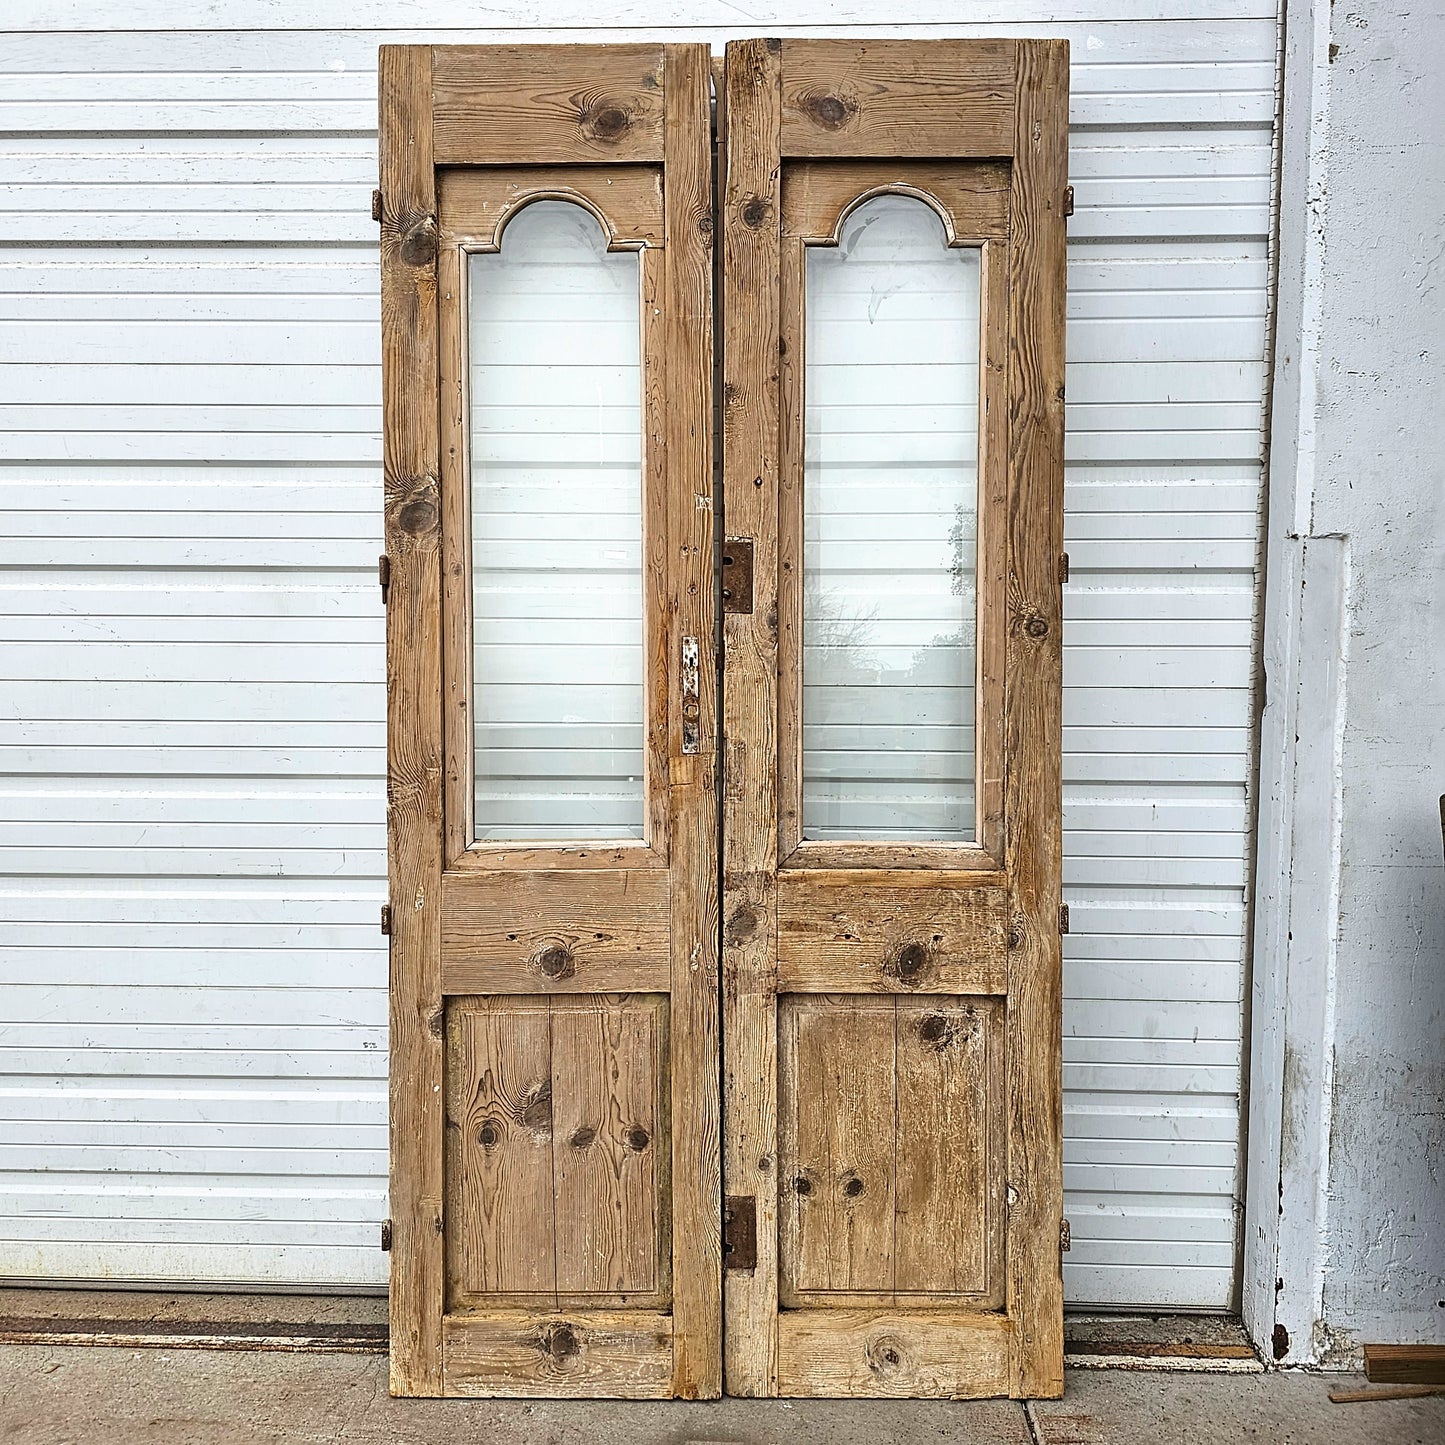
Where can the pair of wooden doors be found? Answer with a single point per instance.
(725, 1045)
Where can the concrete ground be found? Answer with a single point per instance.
(59, 1394)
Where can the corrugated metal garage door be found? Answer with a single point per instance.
(192, 1067)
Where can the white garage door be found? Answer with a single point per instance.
(192, 1067)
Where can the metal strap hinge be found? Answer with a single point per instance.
(1063, 918)
(1066, 1237)
(383, 575)
(386, 920)
(1068, 200)
(1063, 567)
(376, 206)
(386, 1236)
(740, 1232)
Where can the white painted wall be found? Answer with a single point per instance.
(192, 1068)
(1346, 1237)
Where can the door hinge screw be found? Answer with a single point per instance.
(386, 920)
(383, 575)
(386, 1236)
(1063, 918)
(376, 206)
(1066, 1237)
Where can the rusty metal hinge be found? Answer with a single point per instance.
(1063, 568)
(1068, 200)
(1066, 1237)
(1063, 918)
(376, 206)
(737, 574)
(740, 1232)
(386, 920)
(386, 1236)
(383, 575)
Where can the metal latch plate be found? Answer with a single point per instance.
(737, 574)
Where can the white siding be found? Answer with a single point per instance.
(192, 1071)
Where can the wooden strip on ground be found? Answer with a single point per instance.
(625, 1354)
(414, 726)
(951, 98)
(539, 105)
(688, 452)
(1033, 728)
(947, 1354)
(604, 931)
(750, 234)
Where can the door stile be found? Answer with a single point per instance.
(1033, 721)
(411, 466)
(692, 730)
(750, 222)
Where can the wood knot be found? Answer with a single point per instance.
(637, 1138)
(802, 1185)
(560, 1341)
(885, 1355)
(852, 1187)
(419, 242)
(773, 45)
(907, 963)
(556, 962)
(741, 926)
(937, 1031)
(582, 1137)
(755, 212)
(829, 112)
(1036, 626)
(606, 123)
(417, 516)
(536, 1112)
(1015, 936)
(490, 1134)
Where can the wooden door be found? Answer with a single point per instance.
(893, 231)
(547, 369)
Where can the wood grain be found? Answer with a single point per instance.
(750, 222)
(688, 453)
(971, 199)
(500, 1234)
(624, 1354)
(836, 1157)
(951, 98)
(608, 1066)
(537, 104)
(604, 930)
(475, 204)
(940, 1354)
(1033, 729)
(890, 939)
(1405, 1364)
(409, 356)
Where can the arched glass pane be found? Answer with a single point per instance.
(891, 388)
(555, 376)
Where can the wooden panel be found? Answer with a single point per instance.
(950, 1148)
(898, 98)
(750, 206)
(579, 932)
(610, 1142)
(939, 1354)
(890, 939)
(414, 727)
(621, 1353)
(1033, 731)
(500, 1233)
(836, 1156)
(973, 200)
(1406, 1364)
(474, 202)
(687, 462)
(537, 104)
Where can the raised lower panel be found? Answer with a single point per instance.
(558, 1149)
(625, 1354)
(891, 1138)
(939, 1354)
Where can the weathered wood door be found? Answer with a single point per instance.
(891, 222)
(893, 234)
(547, 367)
